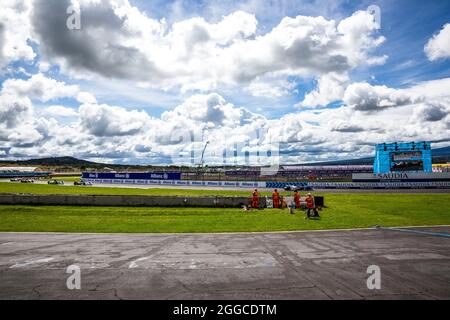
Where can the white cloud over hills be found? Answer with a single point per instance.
(372, 114)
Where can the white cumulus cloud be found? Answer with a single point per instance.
(61, 111)
(439, 45)
(104, 120)
(15, 31)
(119, 41)
(39, 87)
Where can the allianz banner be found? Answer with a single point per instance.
(133, 175)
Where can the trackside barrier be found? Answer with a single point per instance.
(281, 185)
(239, 184)
(381, 185)
(123, 200)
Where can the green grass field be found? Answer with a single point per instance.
(343, 211)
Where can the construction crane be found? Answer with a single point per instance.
(202, 162)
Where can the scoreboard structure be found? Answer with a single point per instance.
(402, 157)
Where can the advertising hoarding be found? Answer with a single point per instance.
(133, 175)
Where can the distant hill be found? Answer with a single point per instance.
(60, 162)
(360, 161)
(57, 161)
(440, 155)
(71, 162)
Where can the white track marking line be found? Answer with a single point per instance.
(133, 264)
(31, 262)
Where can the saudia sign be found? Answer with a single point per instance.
(392, 176)
(402, 176)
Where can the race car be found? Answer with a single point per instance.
(298, 188)
(82, 183)
(24, 180)
(55, 182)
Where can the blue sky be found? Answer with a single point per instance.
(407, 26)
(277, 94)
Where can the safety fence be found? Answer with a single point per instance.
(239, 184)
(280, 185)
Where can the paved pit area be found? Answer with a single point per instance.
(291, 265)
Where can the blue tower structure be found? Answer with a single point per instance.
(401, 157)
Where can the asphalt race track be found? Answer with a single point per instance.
(291, 265)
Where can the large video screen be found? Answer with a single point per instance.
(407, 165)
(407, 155)
(406, 161)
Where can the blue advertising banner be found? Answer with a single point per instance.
(90, 177)
(133, 175)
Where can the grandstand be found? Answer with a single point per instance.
(441, 167)
(310, 173)
(22, 172)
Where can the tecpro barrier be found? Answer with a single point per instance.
(124, 200)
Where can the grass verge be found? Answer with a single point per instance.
(343, 211)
